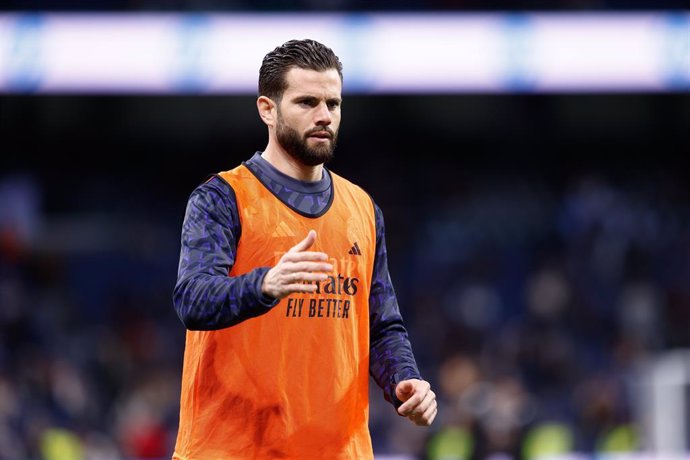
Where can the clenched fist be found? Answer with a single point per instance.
(419, 402)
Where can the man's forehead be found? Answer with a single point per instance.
(313, 81)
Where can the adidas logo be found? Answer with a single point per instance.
(282, 230)
(354, 250)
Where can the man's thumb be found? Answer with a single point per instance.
(305, 243)
(404, 390)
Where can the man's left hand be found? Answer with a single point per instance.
(419, 402)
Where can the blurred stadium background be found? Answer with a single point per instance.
(536, 195)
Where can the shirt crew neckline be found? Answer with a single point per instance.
(274, 174)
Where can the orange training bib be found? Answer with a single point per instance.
(292, 383)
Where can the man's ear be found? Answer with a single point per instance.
(267, 110)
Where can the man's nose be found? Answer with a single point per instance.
(323, 116)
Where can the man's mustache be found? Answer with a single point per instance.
(322, 129)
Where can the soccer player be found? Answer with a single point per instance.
(284, 289)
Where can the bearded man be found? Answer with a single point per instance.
(284, 289)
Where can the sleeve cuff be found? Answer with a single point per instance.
(264, 300)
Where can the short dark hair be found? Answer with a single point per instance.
(305, 54)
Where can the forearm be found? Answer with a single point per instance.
(205, 297)
(209, 302)
(392, 360)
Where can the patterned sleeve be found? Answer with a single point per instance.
(205, 297)
(391, 358)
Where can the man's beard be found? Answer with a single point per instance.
(296, 146)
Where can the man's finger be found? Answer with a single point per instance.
(300, 287)
(428, 402)
(305, 256)
(419, 408)
(410, 405)
(305, 243)
(428, 417)
(302, 277)
(308, 266)
(404, 390)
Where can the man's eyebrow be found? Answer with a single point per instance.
(307, 98)
(304, 98)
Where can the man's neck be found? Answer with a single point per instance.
(285, 163)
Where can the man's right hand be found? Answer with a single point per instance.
(297, 270)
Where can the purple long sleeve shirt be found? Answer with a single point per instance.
(206, 298)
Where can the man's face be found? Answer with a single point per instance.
(308, 115)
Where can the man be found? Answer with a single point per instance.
(283, 286)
